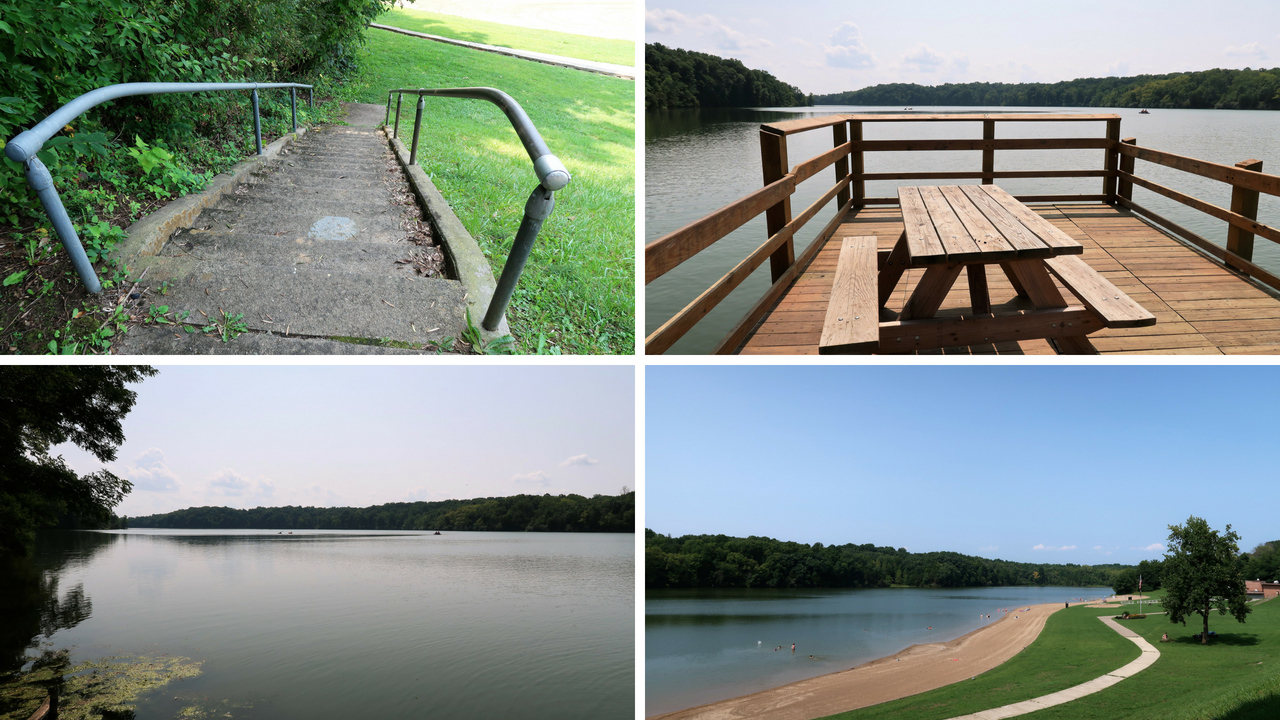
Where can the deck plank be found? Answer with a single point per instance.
(1200, 306)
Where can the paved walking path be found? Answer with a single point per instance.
(1148, 657)
(621, 71)
(322, 243)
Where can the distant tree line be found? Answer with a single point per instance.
(534, 513)
(721, 561)
(1245, 89)
(675, 78)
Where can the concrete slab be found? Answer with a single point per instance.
(168, 341)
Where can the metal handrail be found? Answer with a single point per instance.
(24, 147)
(552, 176)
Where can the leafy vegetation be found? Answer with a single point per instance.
(42, 407)
(676, 78)
(534, 513)
(722, 561)
(577, 293)
(122, 159)
(1245, 89)
(583, 47)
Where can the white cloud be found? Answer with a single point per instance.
(847, 50)
(1251, 50)
(1042, 546)
(1153, 547)
(989, 548)
(227, 483)
(924, 59)
(579, 460)
(150, 473)
(674, 22)
(536, 478)
(1118, 69)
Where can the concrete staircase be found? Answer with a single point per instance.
(323, 242)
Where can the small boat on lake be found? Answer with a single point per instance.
(436, 532)
(1144, 112)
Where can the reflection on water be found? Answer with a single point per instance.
(697, 161)
(336, 624)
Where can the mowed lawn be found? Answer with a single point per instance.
(1074, 647)
(577, 294)
(1237, 677)
(583, 47)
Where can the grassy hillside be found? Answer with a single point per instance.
(583, 47)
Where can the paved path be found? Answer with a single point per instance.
(621, 71)
(1148, 657)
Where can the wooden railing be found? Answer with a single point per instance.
(849, 191)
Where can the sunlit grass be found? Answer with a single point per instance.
(583, 47)
(577, 294)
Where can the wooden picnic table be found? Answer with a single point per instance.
(949, 229)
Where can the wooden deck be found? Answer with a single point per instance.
(1201, 308)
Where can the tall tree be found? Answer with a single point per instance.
(1202, 572)
(42, 407)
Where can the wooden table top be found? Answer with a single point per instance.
(952, 224)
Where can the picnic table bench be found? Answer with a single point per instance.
(950, 229)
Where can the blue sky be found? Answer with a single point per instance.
(1035, 464)
(245, 436)
(826, 47)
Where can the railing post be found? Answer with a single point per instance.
(773, 156)
(538, 207)
(1244, 202)
(41, 181)
(1125, 188)
(311, 96)
(1109, 182)
(840, 136)
(859, 187)
(388, 120)
(417, 125)
(988, 151)
(257, 123)
(293, 106)
(395, 131)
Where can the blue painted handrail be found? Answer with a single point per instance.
(24, 147)
(552, 176)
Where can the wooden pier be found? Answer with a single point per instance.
(1201, 307)
(1207, 299)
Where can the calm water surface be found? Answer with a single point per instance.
(707, 645)
(699, 160)
(359, 624)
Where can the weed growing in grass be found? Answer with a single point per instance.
(503, 345)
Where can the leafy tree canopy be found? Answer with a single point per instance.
(1202, 572)
(676, 78)
(44, 406)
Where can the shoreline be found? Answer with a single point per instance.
(916, 669)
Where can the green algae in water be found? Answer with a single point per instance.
(95, 689)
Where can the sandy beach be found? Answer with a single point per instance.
(914, 670)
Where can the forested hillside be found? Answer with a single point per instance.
(1228, 89)
(675, 78)
(535, 513)
(722, 561)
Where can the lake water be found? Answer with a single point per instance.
(707, 645)
(359, 624)
(697, 161)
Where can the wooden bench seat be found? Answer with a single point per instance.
(1116, 309)
(852, 324)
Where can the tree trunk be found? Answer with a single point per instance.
(1204, 637)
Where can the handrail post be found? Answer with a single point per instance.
(388, 120)
(539, 206)
(773, 157)
(41, 181)
(988, 151)
(1111, 161)
(417, 125)
(1125, 187)
(1245, 202)
(395, 131)
(840, 136)
(858, 187)
(257, 123)
(311, 96)
(293, 106)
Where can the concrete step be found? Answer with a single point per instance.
(308, 221)
(373, 197)
(306, 301)
(331, 149)
(339, 204)
(169, 340)
(294, 251)
(334, 185)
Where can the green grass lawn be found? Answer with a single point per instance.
(583, 47)
(1074, 647)
(577, 294)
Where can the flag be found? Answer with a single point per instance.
(1139, 583)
